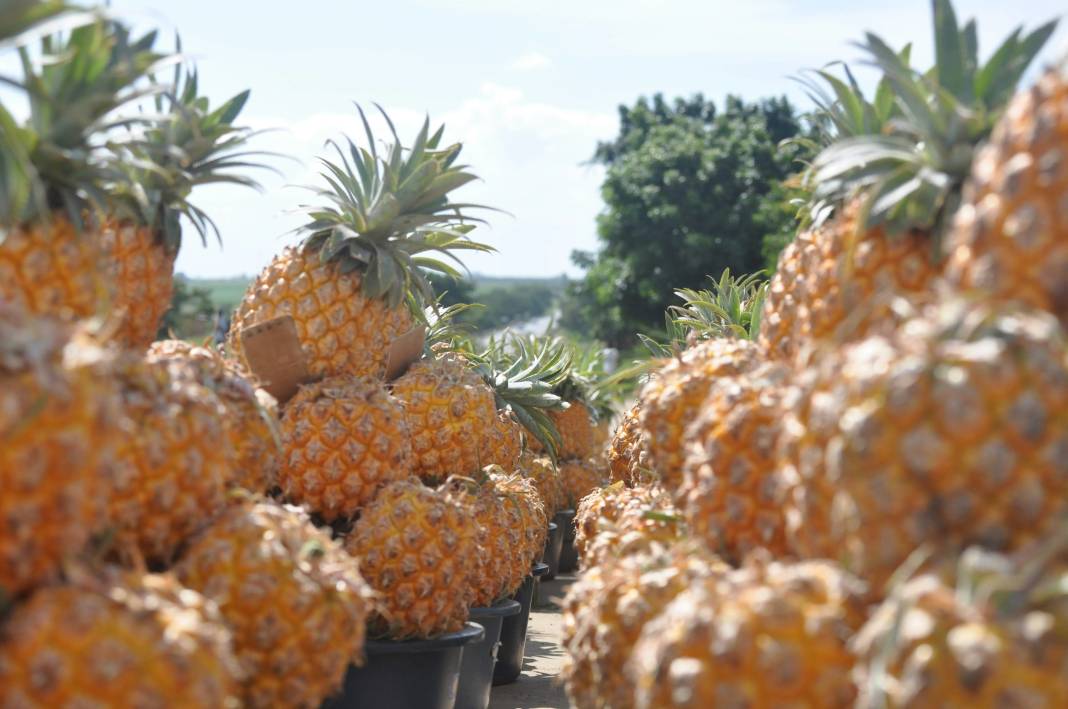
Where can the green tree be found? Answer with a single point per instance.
(685, 194)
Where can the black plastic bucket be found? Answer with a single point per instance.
(476, 666)
(407, 673)
(514, 631)
(553, 544)
(568, 555)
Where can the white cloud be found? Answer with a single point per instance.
(531, 61)
(529, 154)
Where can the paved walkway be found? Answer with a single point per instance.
(539, 686)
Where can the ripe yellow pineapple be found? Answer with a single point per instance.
(448, 408)
(949, 433)
(294, 600)
(50, 259)
(575, 424)
(987, 633)
(611, 504)
(605, 610)
(122, 640)
(343, 439)
(415, 545)
(347, 284)
(533, 524)
(628, 456)
(59, 422)
(546, 477)
(766, 635)
(174, 461)
(891, 174)
(188, 145)
(1010, 239)
(673, 395)
(579, 478)
(731, 495)
(641, 519)
(251, 420)
(498, 539)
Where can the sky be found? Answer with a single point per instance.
(528, 88)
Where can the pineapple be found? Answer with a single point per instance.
(347, 284)
(731, 495)
(610, 504)
(579, 478)
(605, 610)
(293, 598)
(641, 519)
(502, 443)
(1010, 239)
(990, 634)
(448, 408)
(498, 542)
(628, 455)
(576, 427)
(766, 635)
(59, 423)
(415, 546)
(190, 144)
(521, 494)
(546, 478)
(174, 462)
(51, 261)
(344, 438)
(116, 641)
(251, 421)
(885, 188)
(953, 431)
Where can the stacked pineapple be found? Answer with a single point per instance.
(865, 457)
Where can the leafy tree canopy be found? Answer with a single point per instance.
(690, 190)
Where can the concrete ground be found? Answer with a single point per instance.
(539, 686)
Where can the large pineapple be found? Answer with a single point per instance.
(188, 144)
(885, 188)
(605, 610)
(1010, 239)
(59, 422)
(175, 460)
(295, 601)
(731, 494)
(498, 539)
(415, 545)
(610, 505)
(502, 442)
(346, 286)
(251, 420)
(989, 634)
(124, 640)
(575, 424)
(766, 635)
(953, 431)
(50, 257)
(344, 438)
(641, 519)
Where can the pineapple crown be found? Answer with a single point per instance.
(186, 144)
(75, 88)
(729, 308)
(384, 212)
(909, 151)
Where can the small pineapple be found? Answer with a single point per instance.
(251, 421)
(415, 546)
(579, 478)
(628, 455)
(638, 519)
(344, 438)
(521, 494)
(605, 610)
(610, 504)
(502, 443)
(546, 478)
(117, 640)
(293, 598)
(768, 634)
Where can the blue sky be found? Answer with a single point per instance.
(529, 87)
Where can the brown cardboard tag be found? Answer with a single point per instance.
(272, 349)
(403, 351)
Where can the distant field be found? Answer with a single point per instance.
(226, 293)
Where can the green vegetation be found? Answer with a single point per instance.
(690, 191)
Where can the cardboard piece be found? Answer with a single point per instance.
(403, 351)
(273, 352)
